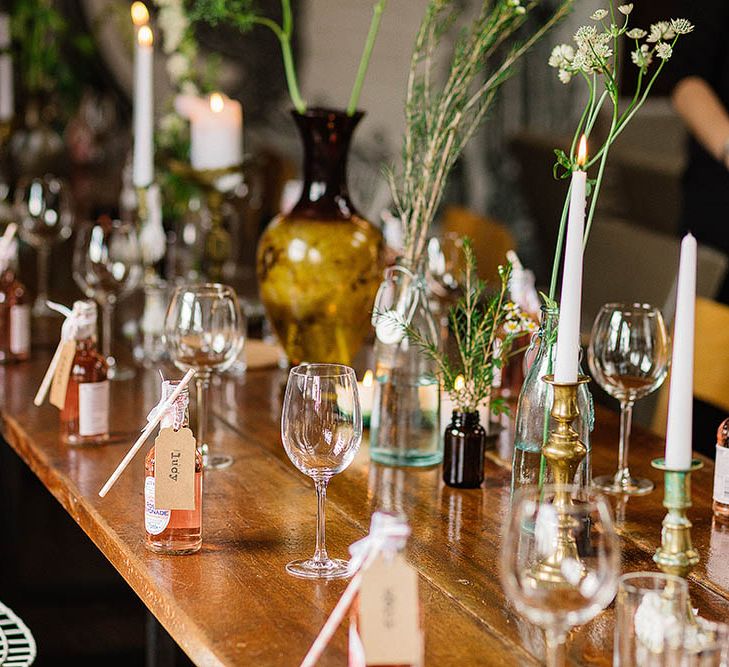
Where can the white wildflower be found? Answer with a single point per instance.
(531, 326)
(636, 33)
(661, 30)
(512, 326)
(664, 50)
(564, 76)
(585, 34)
(626, 9)
(516, 4)
(174, 24)
(510, 306)
(562, 56)
(177, 67)
(682, 26)
(642, 57)
(599, 15)
(189, 88)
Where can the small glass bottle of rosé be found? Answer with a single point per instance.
(14, 309)
(721, 474)
(85, 415)
(173, 531)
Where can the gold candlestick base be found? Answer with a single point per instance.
(563, 452)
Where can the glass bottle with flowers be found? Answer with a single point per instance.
(595, 57)
(484, 325)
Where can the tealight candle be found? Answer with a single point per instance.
(366, 396)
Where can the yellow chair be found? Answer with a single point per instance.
(711, 361)
(491, 240)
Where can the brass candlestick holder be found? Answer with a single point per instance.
(677, 555)
(218, 241)
(563, 452)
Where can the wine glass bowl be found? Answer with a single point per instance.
(628, 356)
(321, 430)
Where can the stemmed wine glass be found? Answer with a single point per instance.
(107, 264)
(628, 356)
(559, 560)
(45, 217)
(204, 331)
(321, 429)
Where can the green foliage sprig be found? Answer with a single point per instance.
(440, 120)
(243, 15)
(477, 321)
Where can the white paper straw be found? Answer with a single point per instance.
(48, 377)
(7, 238)
(147, 432)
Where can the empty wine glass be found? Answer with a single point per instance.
(628, 356)
(107, 264)
(204, 331)
(321, 429)
(45, 217)
(559, 560)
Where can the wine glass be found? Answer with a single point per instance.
(107, 264)
(204, 331)
(559, 560)
(628, 356)
(321, 429)
(45, 217)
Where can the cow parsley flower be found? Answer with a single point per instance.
(599, 15)
(682, 26)
(661, 31)
(626, 9)
(562, 56)
(664, 50)
(636, 33)
(565, 76)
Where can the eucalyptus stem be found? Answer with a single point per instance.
(364, 62)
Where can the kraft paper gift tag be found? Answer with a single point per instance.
(389, 613)
(62, 373)
(174, 470)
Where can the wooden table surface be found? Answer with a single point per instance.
(233, 603)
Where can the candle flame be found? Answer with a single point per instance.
(144, 36)
(367, 380)
(216, 103)
(582, 152)
(460, 383)
(140, 14)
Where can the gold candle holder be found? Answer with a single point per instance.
(563, 452)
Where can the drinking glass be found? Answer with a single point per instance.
(204, 331)
(650, 611)
(628, 357)
(45, 217)
(321, 430)
(705, 644)
(559, 560)
(107, 264)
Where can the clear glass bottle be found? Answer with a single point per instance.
(405, 421)
(85, 415)
(393, 547)
(721, 474)
(533, 419)
(14, 310)
(174, 532)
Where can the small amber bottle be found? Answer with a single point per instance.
(721, 474)
(463, 451)
(14, 310)
(85, 415)
(173, 531)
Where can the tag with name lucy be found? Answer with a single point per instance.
(174, 470)
(62, 374)
(389, 613)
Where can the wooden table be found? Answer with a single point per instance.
(233, 603)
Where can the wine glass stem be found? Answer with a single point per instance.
(202, 384)
(321, 521)
(107, 325)
(555, 642)
(626, 420)
(44, 253)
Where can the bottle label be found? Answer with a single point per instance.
(93, 408)
(19, 329)
(155, 521)
(721, 475)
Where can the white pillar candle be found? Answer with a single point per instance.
(143, 166)
(7, 93)
(568, 332)
(680, 401)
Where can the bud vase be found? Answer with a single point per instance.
(319, 266)
(405, 422)
(533, 419)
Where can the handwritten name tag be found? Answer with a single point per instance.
(389, 613)
(174, 470)
(62, 374)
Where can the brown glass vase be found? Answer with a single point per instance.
(465, 441)
(319, 267)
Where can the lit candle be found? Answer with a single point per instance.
(447, 406)
(680, 401)
(143, 165)
(366, 395)
(568, 332)
(7, 97)
(140, 14)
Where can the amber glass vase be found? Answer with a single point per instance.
(319, 266)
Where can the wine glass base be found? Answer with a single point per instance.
(308, 568)
(631, 486)
(218, 462)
